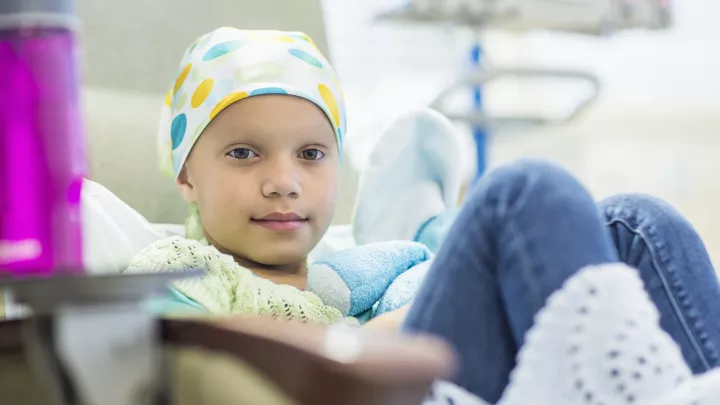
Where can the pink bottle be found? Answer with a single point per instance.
(42, 149)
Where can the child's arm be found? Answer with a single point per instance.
(355, 279)
(389, 321)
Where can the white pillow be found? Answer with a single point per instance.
(113, 232)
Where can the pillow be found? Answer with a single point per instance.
(113, 232)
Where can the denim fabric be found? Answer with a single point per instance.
(524, 230)
(653, 237)
(528, 227)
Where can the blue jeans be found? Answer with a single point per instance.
(526, 229)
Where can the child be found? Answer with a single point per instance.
(253, 131)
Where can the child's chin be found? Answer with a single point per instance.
(282, 254)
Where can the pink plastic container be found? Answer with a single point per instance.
(42, 148)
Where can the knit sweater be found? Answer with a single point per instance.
(228, 288)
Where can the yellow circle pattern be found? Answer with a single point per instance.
(181, 78)
(201, 93)
(331, 103)
(226, 101)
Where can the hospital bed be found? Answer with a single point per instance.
(588, 17)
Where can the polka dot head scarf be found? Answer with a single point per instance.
(228, 65)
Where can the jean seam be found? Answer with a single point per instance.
(525, 258)
(677, 307)
(502, 212)
(474, 233)
(462, 244)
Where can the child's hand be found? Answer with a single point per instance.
(389, 321)
(355, 279)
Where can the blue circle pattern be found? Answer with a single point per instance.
(268, 90)
(302, 55)
(177, 130)
(222, 49)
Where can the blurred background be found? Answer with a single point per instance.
(623, 93)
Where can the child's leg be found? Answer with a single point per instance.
(526, 229)
(515, 244)
(654, 238)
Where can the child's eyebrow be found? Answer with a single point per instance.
(300, 133)
(256, 139)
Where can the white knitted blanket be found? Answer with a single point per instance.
(598, 341)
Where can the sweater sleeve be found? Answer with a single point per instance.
(214, 290)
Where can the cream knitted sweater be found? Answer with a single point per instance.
(228, 288)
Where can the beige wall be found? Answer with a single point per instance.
(137, 44)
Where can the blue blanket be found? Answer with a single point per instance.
(370, 279)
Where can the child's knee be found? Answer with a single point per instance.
(524, 182)
(638, 210)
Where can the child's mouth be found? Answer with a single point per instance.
(281, 222)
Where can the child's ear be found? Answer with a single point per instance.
(184, 184)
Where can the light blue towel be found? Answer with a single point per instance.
(403, 290)
(355, 279)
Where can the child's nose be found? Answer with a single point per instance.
(282, 180)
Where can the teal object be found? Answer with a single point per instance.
(304, 56)
(221, 49)
(432, 233)
(174, 303)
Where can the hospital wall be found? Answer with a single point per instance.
(654, 129)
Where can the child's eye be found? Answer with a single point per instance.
(311, 154)
(242, 153)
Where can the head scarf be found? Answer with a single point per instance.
(228, 65)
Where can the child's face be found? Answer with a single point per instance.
(264, 174)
